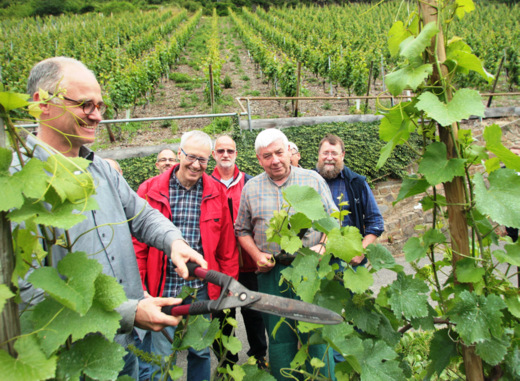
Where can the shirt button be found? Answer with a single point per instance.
(103, 235)
(112, 258)
(120, 280)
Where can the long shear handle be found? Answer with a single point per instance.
(203, 306)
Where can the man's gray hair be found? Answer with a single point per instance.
(47, 74)
(293, 146)
(269, 136)
(196, 136)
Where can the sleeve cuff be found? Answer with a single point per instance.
(127, 311)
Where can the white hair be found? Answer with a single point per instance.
(293, 146)
(267, 137)
(198, 137)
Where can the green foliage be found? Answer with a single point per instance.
(138, 169)
(227, 82)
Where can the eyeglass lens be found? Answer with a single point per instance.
(229, 151)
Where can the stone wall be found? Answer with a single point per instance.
(401, 219)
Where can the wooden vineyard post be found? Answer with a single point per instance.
(10, 322)
(298, 77)
(454, 190)
(496, 80)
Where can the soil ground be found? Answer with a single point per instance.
(173, 98)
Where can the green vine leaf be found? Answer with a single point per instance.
(33, 179)
(341, 338)
(409, 77)
(31, 363)
(468, 272)
(465, 103)
(493, 137)
(377, 362)
(500, 201)
(414, 249)
(200, 334)
(477, 317)
(511, 255)
(410, 187)
(358, 281)
(412, 48)
(56, 323)
(493, 350)
(109, 293)
(306, 200)
(463, 7)
(397, 34)
(11, 193)
(460, 58)
(436, 168)
(27, 247)
(6, 157)
(11, 101)
(93, 356)
(442, 349)
(395, 128)
(5, 294)
(303, 277)
(345, 243)
(232, 344)
(513, 304)
(380, 258)
(408, 297)
(77, 292)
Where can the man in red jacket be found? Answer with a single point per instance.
(198, 206)
(227, 172)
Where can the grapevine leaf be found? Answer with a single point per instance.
(306, 200)
(232, 344)
(200, 334)
(513, 361)
(237, 373)
(442, 350)
(362, 315)
(27, 247)
(56, 323)
(493, 137)
(381, 258)
(6, 157)
(306, 327)
(513, 304)
(433, 236)
(290, 244)
(414, 249)
(303, 276)
(340, 337)
(395, 128)
(31, 363)
(408, 77)
(494, 350)
(468, 272)
(325, 225)
(465, 103)
(414, 47)
(11, 101)
(5, 294)
(317, 363)
(436, 168)
(345, 243)
(11, 193)
(299, 221)
(500, 202)
(253, 373)
(463, 7)
(331, 295)
(300, 357)
(477, 317)
(410, 187)
(408, 297)
(511, 255)
(94, 356)
(33, 179)
(459, 54)
(358, 281)
(175, 372)
(109, 293)
(78, 291)
(377, 362)
(397, 34)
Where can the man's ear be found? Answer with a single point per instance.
(43, 106)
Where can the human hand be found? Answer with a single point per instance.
(357, 260)
(319, 248)
(265, 262)
(182, 254)
(149, 316)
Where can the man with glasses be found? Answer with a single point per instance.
(227, 172)
(198, 205)
(66, 124)
(348, 186)
(295, 154)
(165, 160)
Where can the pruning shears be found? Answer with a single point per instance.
(234, 295)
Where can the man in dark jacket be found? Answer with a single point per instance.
(198, 205)
(227, 172)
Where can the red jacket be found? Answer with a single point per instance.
(216, 231)
(233, 192)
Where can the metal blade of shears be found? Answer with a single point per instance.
(294, 309)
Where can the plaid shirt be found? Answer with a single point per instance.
(261, 197)
(373, 220)
(185, 205)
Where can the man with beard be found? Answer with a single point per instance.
(227, 172)
(347, 185)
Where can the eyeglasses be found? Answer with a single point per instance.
(88, 106)
(229, 151)
(167, 159)
(332, 153)
(193, 158)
